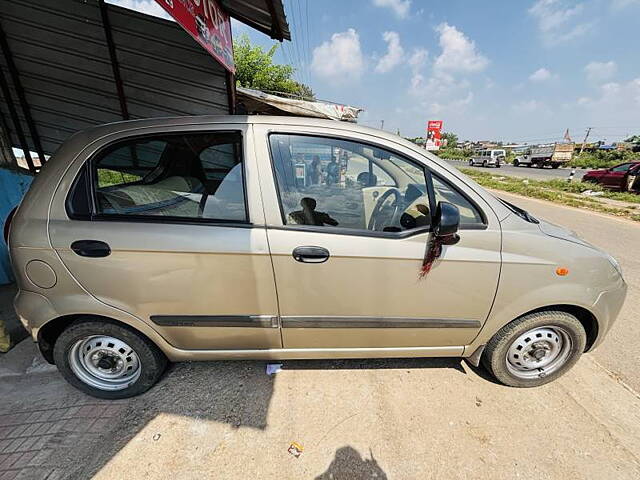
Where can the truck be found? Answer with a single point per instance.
(555, 154)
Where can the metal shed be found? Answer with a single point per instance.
(66, 65)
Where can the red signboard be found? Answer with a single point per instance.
(207, 23)
(434, 127)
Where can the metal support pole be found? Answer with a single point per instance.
(231, 91)
(115, 66)
(7, 158)
(6, 93)
(22, 99)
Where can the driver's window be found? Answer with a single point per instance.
(332, 183)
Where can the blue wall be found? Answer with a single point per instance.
(13, 186)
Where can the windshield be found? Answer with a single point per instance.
(523, 214)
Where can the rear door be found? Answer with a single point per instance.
(347, 255)
(173, 232)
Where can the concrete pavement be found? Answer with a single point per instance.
(357, 419)
(524, 172)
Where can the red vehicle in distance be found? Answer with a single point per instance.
(623, 177)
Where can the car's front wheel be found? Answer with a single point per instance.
(107, 360)
(535, 349)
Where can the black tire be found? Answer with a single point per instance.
(484, 163)
(494, 357)
(471, 163)
(152, 361)
(516, 163)
(555, 165)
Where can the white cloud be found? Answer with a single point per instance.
(615, 98)
(150, 7)
(394, 55)
(620, 4)
(455, 106)
(459, 54)
(598, 72)
(339, 60)
(541, 75)
(418, 58)
(399, 7)
(446, 90)
(527, 106)
(557, 20)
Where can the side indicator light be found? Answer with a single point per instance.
(562, 271)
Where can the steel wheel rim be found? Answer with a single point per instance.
(539, 352)
(104, 362)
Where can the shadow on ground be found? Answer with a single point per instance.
(82, 434)
(348, 464)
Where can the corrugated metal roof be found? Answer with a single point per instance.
(60, 50)
(266, 16)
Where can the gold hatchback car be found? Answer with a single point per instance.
(236, 237)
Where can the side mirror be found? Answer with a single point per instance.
(446, 221)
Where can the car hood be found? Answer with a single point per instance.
(563, 233)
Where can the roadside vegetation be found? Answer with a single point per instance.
(563, 192)
(603, 158)
(590, 160)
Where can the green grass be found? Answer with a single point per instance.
(107, 178)
(603, 159)
(559, 191)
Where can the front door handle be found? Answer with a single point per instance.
(91, 248)
(311, 254)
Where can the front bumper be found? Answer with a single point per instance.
(606, 309)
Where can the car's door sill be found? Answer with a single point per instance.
(177, 355)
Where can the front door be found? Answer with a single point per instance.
(350, 243)
(616, 177)
(176, 237)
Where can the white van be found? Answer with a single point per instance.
(488, 158)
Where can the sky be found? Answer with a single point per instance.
(521, 71)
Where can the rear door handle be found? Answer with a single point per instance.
(311, 254)
(91, 248)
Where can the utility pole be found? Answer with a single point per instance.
(381, 124)
(584, 141)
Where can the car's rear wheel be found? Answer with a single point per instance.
(471, 163)
(107, 360)
(516, 163)
(535, 349)
(484, 163)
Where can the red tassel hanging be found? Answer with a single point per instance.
(433, 251)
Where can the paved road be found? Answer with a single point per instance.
(357, 419)
(524, 172)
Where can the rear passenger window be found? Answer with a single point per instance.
(192, 176)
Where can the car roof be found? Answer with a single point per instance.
(123, 126)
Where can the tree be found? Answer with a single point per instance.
(255, 69)
(451, 138)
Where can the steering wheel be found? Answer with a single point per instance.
(377, 219)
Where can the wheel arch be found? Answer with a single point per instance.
(584, 316)
(50, 331)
